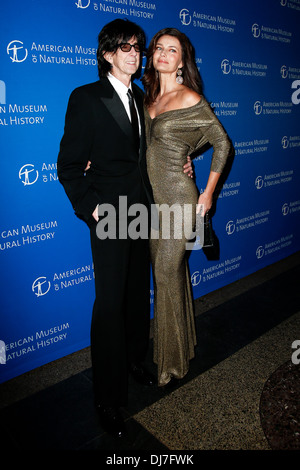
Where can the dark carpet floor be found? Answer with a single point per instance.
(62, 417)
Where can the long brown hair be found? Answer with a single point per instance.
(190, 72)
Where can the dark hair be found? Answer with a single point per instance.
(190, 72)
(111, 36)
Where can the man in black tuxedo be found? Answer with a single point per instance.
(99, 129)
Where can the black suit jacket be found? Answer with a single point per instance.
(97, 129)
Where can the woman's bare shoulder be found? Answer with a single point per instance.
(189, 97)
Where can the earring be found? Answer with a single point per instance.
(179, 78)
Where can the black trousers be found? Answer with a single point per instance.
(121, 314)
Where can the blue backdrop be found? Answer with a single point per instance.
(248, 56)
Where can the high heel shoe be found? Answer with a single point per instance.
(171, 385)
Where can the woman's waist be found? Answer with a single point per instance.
(173, 158)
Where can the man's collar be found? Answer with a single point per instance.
(117, 84)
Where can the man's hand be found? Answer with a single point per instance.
(95, 214)
(187, 168)
(87, 166)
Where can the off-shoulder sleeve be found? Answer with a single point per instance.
(213, 132)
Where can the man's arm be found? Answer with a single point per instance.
(74, 154)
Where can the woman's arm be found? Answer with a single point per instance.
(206, 198)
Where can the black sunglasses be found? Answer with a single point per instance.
(126, 47)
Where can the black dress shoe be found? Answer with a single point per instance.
(141, 375)
(111, 420)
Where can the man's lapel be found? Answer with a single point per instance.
(113, 103)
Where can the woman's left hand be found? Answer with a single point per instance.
(204, 204)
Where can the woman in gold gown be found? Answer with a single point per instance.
(179, 121)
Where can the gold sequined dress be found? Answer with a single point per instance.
(171, 136)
